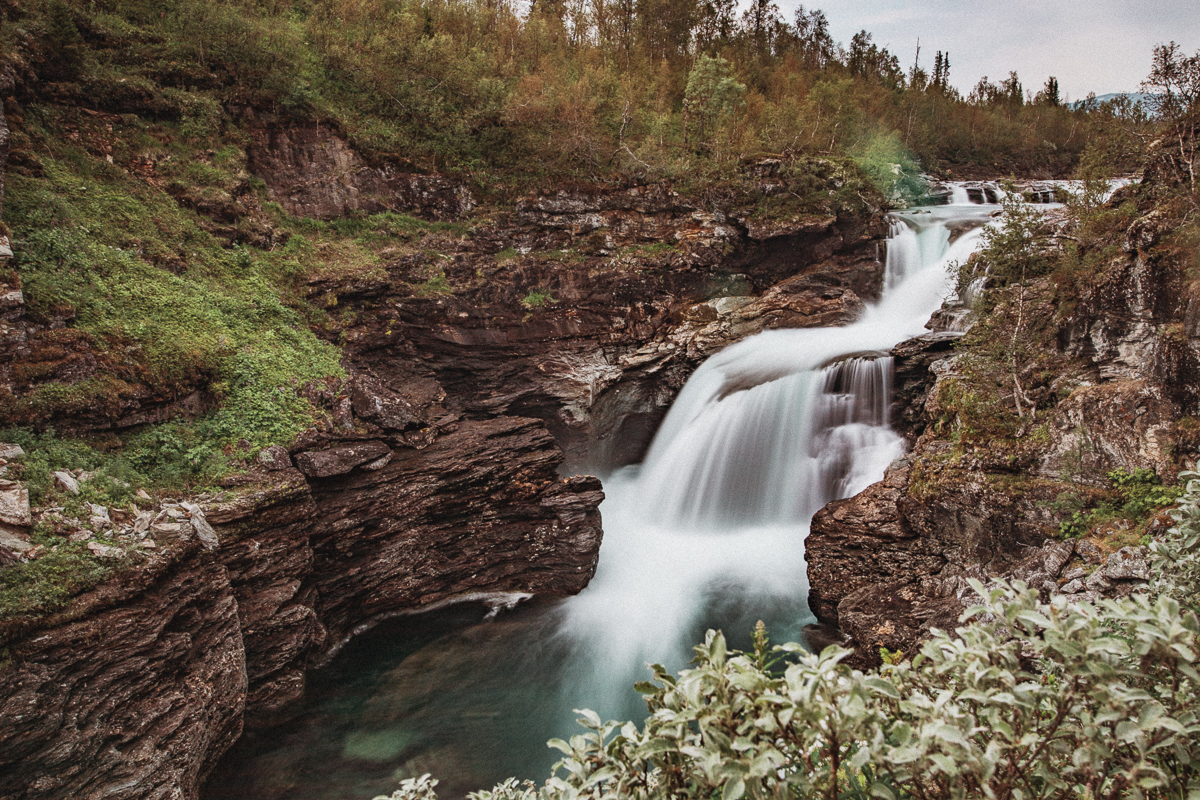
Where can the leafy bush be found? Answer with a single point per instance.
(892, 169)
(1176, 553)
(1014, 250)
(1135, 496)
(1065, 700)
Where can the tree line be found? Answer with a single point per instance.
(658, 88)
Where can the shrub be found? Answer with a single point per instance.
(537, 298)
(1135, 496)
(1014, 249)
(1031, 700)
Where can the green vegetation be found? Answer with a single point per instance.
(537, 298)
(1066, 700)
(48, 584)
(1135, 496)
(670, 89)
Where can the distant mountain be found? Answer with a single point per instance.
(1142, 99)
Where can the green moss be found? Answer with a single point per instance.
(1135, 496)
(47, 584)
(92, 239)
(437, 285)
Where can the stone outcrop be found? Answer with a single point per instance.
(139, 686)
(312, 171)
(137, 701)
(481, 365)
(893, 562)
(643, 286)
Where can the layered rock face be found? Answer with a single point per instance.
(639, 286)
(139, 688)
(313, 172)
(551, 336)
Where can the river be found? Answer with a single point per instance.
(708, 532)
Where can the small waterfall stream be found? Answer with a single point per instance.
(707, 532)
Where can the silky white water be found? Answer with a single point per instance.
(707, 532)
(763, 435)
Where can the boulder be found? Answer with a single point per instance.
(1128, 563)
(99, 518)
(14, 505)
(13, 548)
(204, 531)
(1098, 581)
(105, 551)
(340, 460)
(376, 403)
(274, 458)
(1089, 552)
(66, 481)
(9, 451)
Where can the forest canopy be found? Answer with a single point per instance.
(584, 88)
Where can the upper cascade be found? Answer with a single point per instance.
(776, 426)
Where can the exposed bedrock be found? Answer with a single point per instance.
(482, 368)
(143, 683)
(893, 562)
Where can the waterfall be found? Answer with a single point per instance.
(707, 532)
(764, 434)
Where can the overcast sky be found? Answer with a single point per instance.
(1099, 46)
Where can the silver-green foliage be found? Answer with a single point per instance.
(1176, 553)
(1065, 700)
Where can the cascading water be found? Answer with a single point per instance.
(707, 532)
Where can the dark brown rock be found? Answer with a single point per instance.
(339, 460)
(133, 702)
(312, 171)
(912, 379)
(274, 458)
(142, 684)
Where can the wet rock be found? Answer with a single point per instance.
(856, 544)
(1128, 563)
(912, 379)
(340, 460)
(274, 458)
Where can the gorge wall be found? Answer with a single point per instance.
(434, 475)
(984, 490)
